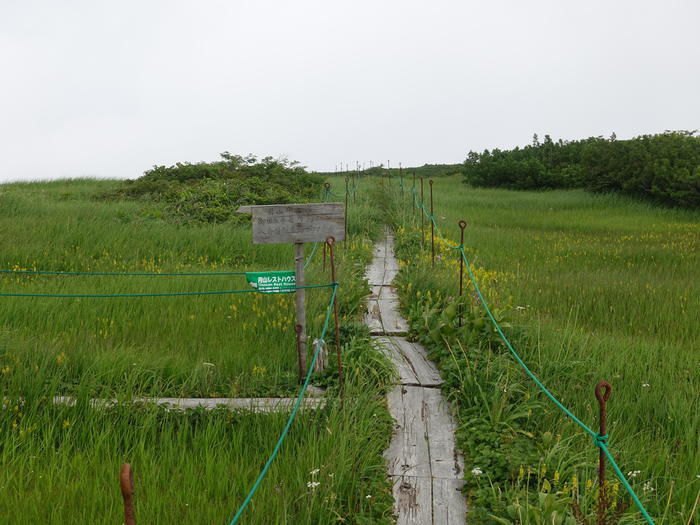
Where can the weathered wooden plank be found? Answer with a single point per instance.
(406, 374)
(385, 292)
(413, 500)
(408, 453)
(253, 404)
(383, 317)
(375, 274)
(449, 504)
(425, 370)
(295, 223)
(445, 459)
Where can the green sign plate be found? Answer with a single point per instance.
(272, 282)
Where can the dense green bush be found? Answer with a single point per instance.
(211, 192)
(664, 167)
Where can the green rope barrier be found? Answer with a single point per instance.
(117, 274)
(161, 294)
(311, 256)
(599, 440)
(292, 416)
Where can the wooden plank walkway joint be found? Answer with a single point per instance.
(422, 459)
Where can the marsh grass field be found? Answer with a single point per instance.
(60, 464)
(591, 287)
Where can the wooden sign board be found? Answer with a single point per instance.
(297, 223)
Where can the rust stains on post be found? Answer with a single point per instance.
(602, 490)
(331, 242)
(462, 225)
(432, 224)
(346, 206)
(422, 215)
(126, 481)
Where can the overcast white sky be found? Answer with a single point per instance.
(108, 89)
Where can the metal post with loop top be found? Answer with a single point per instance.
(331, 243)
(603, 437)
(462, 225)
(422, 216)
(414, 192)
(432, 224)
(346, 206)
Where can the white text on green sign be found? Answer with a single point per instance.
(272, 282)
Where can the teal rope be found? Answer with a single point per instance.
(292, 416)
(113, 274)
(162, 294)
(311, 256)
(599, 440)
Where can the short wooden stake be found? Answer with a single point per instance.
(126, 482)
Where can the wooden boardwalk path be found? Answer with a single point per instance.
(422, 458)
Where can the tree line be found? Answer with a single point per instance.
(663, 167)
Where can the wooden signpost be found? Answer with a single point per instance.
(297, 224)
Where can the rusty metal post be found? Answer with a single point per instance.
(414, 192)
(462, 225)
(331, 241)
(432, 225)
(126, 482)
(422, 216)
(346, 207)
(602, 491)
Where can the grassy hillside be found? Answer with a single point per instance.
(60, 464)
(591, 288)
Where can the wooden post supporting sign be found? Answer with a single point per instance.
(298, 224)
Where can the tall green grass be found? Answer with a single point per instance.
(596, 288)
(60, 463)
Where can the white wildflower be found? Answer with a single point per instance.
(646, 385)
(368, 496)
(633, 473)
(313, 484)
(208, 364)
(315, 471)
(477, 471)
(647, 487)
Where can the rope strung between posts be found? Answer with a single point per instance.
(600, 441)
(119, 274)
(292, 416)
(160, 294)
